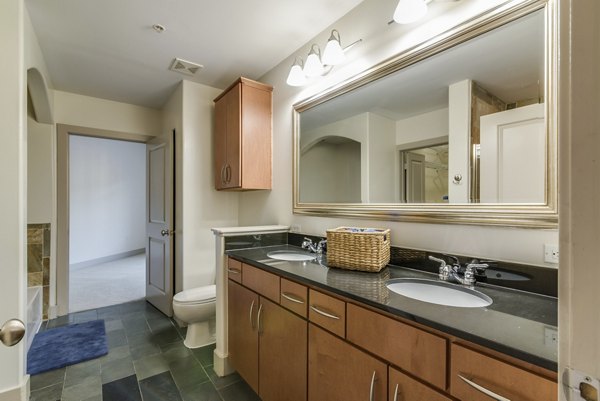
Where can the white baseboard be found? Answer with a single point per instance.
(20, 393)
(221, 364)
(105, 259)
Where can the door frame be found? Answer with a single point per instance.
(62, 200)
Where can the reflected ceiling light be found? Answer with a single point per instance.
(408, 11)
(313, 66)
(333, 54)
(296, 76)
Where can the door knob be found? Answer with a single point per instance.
(12, 332)
(166, 233)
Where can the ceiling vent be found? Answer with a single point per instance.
(185, 67)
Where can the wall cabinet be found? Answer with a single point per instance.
(294, 343)
(243, 136)
(267, 343)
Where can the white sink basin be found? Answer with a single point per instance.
(291, 256)
(439, 292)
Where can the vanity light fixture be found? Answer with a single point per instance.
(408, 11)
(316, 65)
(313, 66)
(296, 76)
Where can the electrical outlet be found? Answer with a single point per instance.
(550, 337)
(295, 228)
(550, 253)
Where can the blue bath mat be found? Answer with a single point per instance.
(67, 345)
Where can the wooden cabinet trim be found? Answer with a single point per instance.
(260, 281)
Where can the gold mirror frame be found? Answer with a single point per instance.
(507, 214)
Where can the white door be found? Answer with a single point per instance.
(159, 224)
(513, 156)
(414, 177)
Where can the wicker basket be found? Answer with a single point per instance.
(364, 249)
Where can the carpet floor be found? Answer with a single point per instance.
(105, 284)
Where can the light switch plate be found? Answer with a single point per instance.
(550, 253)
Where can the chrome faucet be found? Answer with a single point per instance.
(311, 246)
(455, 272)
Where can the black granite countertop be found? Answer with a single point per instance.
(517, 323)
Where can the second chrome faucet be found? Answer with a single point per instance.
(455, 272)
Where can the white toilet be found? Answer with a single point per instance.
(196, 307)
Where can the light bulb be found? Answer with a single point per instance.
(333, 54)
(408, 11)
(313, 66)
(296, 76)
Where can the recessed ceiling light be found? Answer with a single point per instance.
(158, 28)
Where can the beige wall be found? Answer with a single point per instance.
(579, 144)
(381, 42)
(40, 172)
(93, 112)
(203, 206)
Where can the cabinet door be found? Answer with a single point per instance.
(220, 142)
(339, 371)
(243, 333)
(283, 354)
(234, 133)
(404, 388)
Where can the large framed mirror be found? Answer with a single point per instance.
(459, 129)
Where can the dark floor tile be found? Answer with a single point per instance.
(86, 316)
(201, 392)
(109, 312)
(115, 353)
(113, 324)
(129, 307)
(94, 398)
(51, 393)
(135, 324)
(175, 351)
(116, 338)
(86, 388)
(76, 374)
(205, 355)
(187, 372)
(158, 324)
(150, 366)
(166, 336)
(59, 321)
(221, 382)
(125, 389)
(116, 369)
(239, 391)
(152, 313)
(46, 379)
(160, 388)
(138, 339)
(143, 350)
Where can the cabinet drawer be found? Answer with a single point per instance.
(500, 377)
(404, 388)
(328, 312)
(294, 297)
(265, 283)
(413, 350)
(234, 270)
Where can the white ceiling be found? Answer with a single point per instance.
(508, 62)
(108, 49)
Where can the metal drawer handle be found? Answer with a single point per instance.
(258, 319)
(234, 271)
(483, 389)
(223, 175)
(396, 392)
(251, 321)
(320, 312)
(292, 298)
(372, 393)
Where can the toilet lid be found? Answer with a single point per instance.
(197, 295)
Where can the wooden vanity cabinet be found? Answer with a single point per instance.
(243, 136)
(404, 388)
(242, 332)
(267, 343)
(499, 377)
(340, 371)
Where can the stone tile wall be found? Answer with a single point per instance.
(38, 260)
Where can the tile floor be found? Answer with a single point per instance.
(147, 361)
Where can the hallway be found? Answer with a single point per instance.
(109, 283)
(146, 361)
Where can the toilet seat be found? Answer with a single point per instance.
(195, 296)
